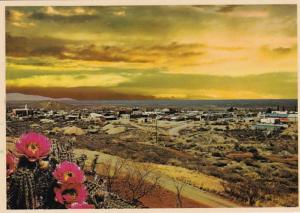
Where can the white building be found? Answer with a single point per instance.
(280, 112)
(166, 110)
(125, 118)
(293, 117)
(269, 120)
(95, 117)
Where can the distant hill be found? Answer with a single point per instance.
(51, 105)
(23, 97)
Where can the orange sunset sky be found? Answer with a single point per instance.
(153, 52)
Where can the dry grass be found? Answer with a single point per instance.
(194, 178)
(289, 200)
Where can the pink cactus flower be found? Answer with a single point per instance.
(70, 193)
(67, 173)
(11, 163)
(34, 146)
(83, 205)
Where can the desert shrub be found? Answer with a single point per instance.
(136, 184)
(250, 162)
(217, 154)
(174, 162)
(153, 157)
(248, 190)
(220, 164)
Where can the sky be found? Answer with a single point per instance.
(153, 52)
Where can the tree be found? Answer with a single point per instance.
(179, 187)
(269, 110)
(248, 190)
(140, 180)
(112, 170)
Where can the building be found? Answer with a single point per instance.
(283, 116)
(269, 127)
(125, 117)
(96, 117)
(110, 117)
(23, 112)
(270, 120)
(293, 117)
(72, 117)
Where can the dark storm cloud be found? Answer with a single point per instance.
(106, 53)
(19, 46)
(8, 15)
(278, 51)
(80, 93)
(282, 50)
(226, 8)
(59, 18)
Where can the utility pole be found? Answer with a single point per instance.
(156, 131)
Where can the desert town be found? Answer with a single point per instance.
(218, 156)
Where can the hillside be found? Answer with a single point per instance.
(51, 105)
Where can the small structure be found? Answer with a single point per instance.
(72, 117)
(166, 110)
(23, 112)
(125, 117)
(283, 116)
(142, 120)
(110, 117)
(47, 121)
(270, 120)
(269, 127)
(73, 130)
(293, 117)
(96, 117)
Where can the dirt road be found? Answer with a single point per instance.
(191, 192)
(175, 130)
(200, 196)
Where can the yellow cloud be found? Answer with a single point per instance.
(99, 80)
(212, 94)
(120, 13)
(15, 15)
(249, 14)
(69, 11)
(18, 19)
(23, 24)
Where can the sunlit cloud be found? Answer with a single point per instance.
(150, 50)
(71, 11)
(120, 13)
(19, 19)
(102, 80)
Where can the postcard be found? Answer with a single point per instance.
(184, 106)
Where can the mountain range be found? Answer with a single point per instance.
(23, 97)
